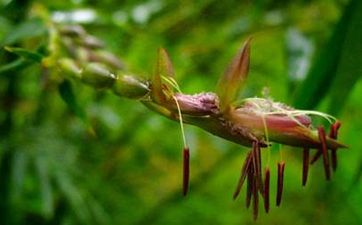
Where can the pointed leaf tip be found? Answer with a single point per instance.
(163, 68)
(164, 64)
(234, 77)
(25, 53)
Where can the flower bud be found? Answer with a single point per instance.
(107, 58)
(97, 75)
(130, 87)
(90, 42)
(69, 67)
(72, 30)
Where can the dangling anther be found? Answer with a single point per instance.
(255, 196)
(260, 177)
(305, 165)
(266, 189)
(322, 138)
(317, 155)
(333, 133)
(256, 155)
(249, 188)
(186, 170)
(185, 153)
(281, 166)
(247, 163)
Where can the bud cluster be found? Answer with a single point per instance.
(84, 58)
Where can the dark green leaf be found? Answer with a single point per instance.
(26, 54)
(67, 94)
(350, 65)
(323, 71)
(15, 65)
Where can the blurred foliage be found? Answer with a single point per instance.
(73, 155)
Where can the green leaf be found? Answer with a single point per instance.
(67, 94)
(164, 64)
(46, 191)
(324, 70)
(163, 68)
(74, 197)
(28, 29)
(26, 54)
(349, 69)
(15, 65)
(19, 168)
(234, 77)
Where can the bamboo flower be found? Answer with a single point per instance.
(254, 122)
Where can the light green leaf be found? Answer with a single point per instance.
(163, 68)
(15, 65)
(28, 29)
(45, 186)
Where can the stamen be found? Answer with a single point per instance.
(266, 189)
(317, 155)
(186, 170)
(260, 178)
(322, 138)
(255, 196)
(256, 166)
(333, 133)
(243, 174)
(186, 154)
(281, 166)
(305, 165)
(249, 189)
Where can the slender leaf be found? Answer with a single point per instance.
(323, 71)
(164, 64)
(26, 54)
(74, 197)
(28, 29)
(16, 65)
(19, 168)
(45, 186)
(350, 66)
(163, 68)
(67, 94)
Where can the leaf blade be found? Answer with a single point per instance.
(26, 54)
(323, 71)
(163, 68)
(234, 77)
